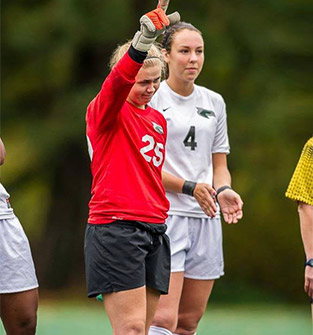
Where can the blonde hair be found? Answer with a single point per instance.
(154, 57)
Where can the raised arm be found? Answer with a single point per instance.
(104, 108)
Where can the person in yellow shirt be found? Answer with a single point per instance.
(301, 189)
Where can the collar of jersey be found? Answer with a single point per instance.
(180, 97)
(139, 110)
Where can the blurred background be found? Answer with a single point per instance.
(259, 56)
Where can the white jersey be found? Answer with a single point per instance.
(197, 128)
(6, 212)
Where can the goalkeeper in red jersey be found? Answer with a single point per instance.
(127, 254)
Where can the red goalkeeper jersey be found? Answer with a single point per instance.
(127, 148)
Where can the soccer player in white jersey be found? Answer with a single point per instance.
(197, 181)
(18, 282)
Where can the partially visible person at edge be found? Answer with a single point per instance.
(127, 253)
(197, 181)
(18, 281)
(301, 189)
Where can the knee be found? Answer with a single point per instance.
(25, 325)
(188, 323)
(132, 328)
(28, 325)
(165, 319)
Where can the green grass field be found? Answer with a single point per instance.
(89, 318)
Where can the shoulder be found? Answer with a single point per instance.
(309, 144)
(214, 96)
(160, 97)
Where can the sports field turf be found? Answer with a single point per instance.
(55, 318)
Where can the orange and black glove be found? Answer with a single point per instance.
(152, 25)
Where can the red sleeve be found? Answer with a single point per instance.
(104, 108)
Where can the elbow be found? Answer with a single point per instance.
(2, 157)
(2, 152)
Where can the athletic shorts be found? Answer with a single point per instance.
(126, 255)
(17, 271)
(196, 246)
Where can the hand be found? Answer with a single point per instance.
(152, 25)
(163, 4)
(205, 195)
(231, 205)
(308, 281)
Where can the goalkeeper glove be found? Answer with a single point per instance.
(152, 25)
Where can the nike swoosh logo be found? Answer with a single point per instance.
(165, 109)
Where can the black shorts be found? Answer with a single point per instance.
(125, 255)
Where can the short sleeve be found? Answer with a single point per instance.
(301, 184)
(221, 142)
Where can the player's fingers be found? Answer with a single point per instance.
(155, 20)
(309, 286)
(239, 214)
(211, 191)
(173, 18)
(208, 211)
(235, 220)
(306, 284)
(226, 217)
(163, 4)
(310, 293)
(162, 17)
(238, 201)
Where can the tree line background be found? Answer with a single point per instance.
(259, 56)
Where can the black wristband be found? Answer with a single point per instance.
(309, 262)
(136, 55)
(189, 187)
(222, 188)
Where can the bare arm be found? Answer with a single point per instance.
(2, 152)
(306, 226)
(230, 201)
(203, 193)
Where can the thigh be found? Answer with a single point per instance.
(18, 308)
(204, 259)
(193, 302)
(127, 310)
(167, 311)
(152, 298)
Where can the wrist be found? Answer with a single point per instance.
(189, 187)
(222, 188)
(136, 55)
(309, 262)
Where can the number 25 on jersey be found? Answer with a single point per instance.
(152, 151)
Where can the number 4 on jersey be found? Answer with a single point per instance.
(189, 140)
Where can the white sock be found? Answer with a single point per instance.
(159, 331)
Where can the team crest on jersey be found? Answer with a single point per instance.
(158, 128)
(205, 112)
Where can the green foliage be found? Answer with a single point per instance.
(258, 56)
